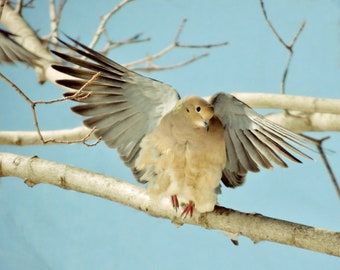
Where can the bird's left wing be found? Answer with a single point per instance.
(122, 105)
(252, 141)
(11, 51)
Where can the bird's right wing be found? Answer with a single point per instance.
(252, 141)
(122, 105)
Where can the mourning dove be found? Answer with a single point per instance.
(181, 147)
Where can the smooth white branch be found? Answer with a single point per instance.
(34, 170)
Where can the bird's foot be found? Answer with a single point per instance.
(174, 202)
(188, 210)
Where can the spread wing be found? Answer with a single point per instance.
(123, 106)
(252, 141)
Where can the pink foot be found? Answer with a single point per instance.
(189, 209)
(174, 202)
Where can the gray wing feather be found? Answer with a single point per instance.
(123, 106)
(11, 51)
(252, 141)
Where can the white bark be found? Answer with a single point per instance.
(257, 227)
(22, 138)
(290, 102)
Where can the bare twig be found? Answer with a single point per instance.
(78, 95)
(153, 67)
(289, 46)
(113, 45)
(149, 60)
(19, 6)
(326, 162)
(55, 15)
(105, 18)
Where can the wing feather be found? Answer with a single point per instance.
(252, 141)
(122, 105)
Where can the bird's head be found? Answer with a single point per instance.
(196, 111)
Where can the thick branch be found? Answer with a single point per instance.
(300, 122)
(257, 227)
(290, 102)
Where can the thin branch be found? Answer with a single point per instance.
(255, 226)
(55, 16)
(77, 95)
(113, 45)
(153, 67)
(149, 60)
(105, 18)
(289, 46)
(19, 6)
(271, 26)
(326, 163)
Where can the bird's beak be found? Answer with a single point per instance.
(206, 125)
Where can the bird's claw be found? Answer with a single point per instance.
(174, 202)
(188, 210)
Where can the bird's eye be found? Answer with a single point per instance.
(198, 109)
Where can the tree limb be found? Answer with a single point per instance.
(104, 20)
(326, 117)
(289, 47)
(34, 170)
(312, 122)
(290, 102)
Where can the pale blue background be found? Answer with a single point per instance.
(49, 228)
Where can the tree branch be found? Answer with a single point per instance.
(34, 170)
(289, 47)
(290, 102)
(66, 136)
(101, 27)
(149, 60)
(327, 165)
(320, 114)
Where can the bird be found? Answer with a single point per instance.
(184, 148)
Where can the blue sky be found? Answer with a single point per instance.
(49, 228)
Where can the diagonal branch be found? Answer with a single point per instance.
(255, 226)
(326, 163)
(105, 18)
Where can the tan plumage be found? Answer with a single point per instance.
(185, 154)
(181, 147)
